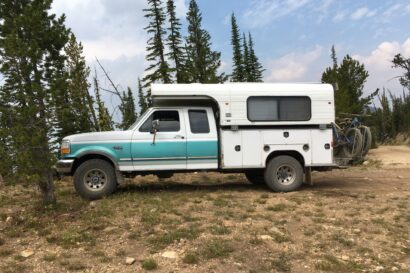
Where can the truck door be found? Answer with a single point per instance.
(169, 151)
(202, 139)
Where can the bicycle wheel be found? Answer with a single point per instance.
(353, 147)
(367, 139)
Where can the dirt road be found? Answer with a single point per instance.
(354, 220)
(392, 156)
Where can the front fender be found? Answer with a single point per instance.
(80, 150)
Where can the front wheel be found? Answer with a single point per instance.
(284, 174)
(95, 179)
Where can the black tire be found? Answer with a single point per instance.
(367, 140)
(284, 165)
(255, 177)
(95, 179)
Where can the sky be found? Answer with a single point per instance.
(292, 38)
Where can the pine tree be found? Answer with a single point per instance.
(202, 62)
(330, 74)
(31, 44)
(174, 43)
(79, 86)
(105, 122)
(246, 64)
(255, 67)
(350, 77)
(74, 106)
(127, 109)
(400, 62)
(334, 57)
(142, 98)
(6, 141)
(158, 70)
(238, 74)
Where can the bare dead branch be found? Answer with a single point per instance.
(116, 92)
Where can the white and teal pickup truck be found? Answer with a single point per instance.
(271, 132)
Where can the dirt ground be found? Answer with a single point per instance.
(392, 156)
(352, 220)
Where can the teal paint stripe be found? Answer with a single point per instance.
(159, 149)
(108, 148)
(147, 150)
(202, 148)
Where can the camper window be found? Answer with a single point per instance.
(279, 108)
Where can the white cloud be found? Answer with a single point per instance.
(292, 66)
(406, 48)
(325, 5)
(262, 12)
(381, 57)
(379, 65)
(323, 10)
(340, 16)
(181, 8)
(362, 12)
(392, 10)
(108, 48)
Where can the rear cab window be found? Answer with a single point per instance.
(198, 121)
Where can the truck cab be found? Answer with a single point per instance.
(175, 138)
(271, 133)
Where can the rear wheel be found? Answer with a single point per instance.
(367, 140)
(95, 179)
(353, 147)
(255, 177)
(284, 174)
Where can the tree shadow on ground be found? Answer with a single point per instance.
(228, 187)
(187, 187)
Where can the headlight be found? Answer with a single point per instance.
(65, 147)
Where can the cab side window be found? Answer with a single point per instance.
(168, 121)
(198, 121)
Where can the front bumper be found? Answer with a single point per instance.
(64, 166)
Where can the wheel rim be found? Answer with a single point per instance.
(95, 179)
(286, 174)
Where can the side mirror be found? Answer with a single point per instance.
(154, 130)
(155, 126)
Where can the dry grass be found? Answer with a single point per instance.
(215, 224)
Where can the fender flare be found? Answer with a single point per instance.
(100, 153)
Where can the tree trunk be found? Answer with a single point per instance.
(1, 180)
(46, 185)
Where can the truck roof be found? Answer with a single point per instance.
(232, 98)
(196, 89)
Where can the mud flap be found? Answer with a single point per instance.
(308, 176)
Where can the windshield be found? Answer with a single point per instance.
(132, 127)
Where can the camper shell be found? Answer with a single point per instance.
(249, 132)
(231, 100)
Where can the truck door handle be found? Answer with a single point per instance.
(179, 137)
(238, 148)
